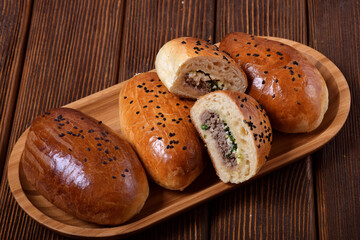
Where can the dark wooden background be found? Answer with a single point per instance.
(54, 52)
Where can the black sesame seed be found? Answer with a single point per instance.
(279, 53)
(125, 97)
(99, 149)
(145, 106)
(258, 146)
(163, 125)
(184, 148)
(242, 105)
(123, 175)
(293, 79)
(183, 42)
(85, 160)
(70, 149)
(158, 107)
(186, 107)
(99, 144)
(255, 45)
(47, 113)
(88, 149)
(263, 82)
(273, 96)
(248, 54)
(61, 135)
(196, 52)
(152, 129)
(156, 96)
(216, 53)
(291, 72)
(104, 162)
(131, 101)
(281, 44)
(113, 177)
(295, 63)
(248, 43)
(266, 72)
(268, 55)
(159, 123)
(126, 170)
(139, 86)
(281, 58)
(299, 75)
(137, 112)
(110, 159)
(237, 55)
(159, 138)
(100, 122)
(297, 102)
(276, 80)
(256, 55)
(268, 49)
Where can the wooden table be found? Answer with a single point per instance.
(55, 52)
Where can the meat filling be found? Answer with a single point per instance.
(220, 132)
(202, 81)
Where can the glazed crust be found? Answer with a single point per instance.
(84, 168)
(158, 125)
(290, 88)
(180, 55)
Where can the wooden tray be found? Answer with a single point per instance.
(163, 203)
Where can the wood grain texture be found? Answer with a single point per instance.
(271, 207)
(285, 19)
(335, 31)
(150, 24)
(72, 51)
(14, 22)
(147, 26)
(161, 203)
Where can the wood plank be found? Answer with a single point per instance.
(280, 205)
(72, 51)
(335, 31)
(14, 22)
(147, 26)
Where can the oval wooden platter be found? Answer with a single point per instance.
(163, 203)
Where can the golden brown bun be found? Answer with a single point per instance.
(158, 125)
(249, 126)
(191, 67)
(290, 88)
(84, 168)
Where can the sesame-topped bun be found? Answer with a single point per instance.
(158, 125)
(237, 133)
(84, 168)
(290, 88)
(191, 67)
